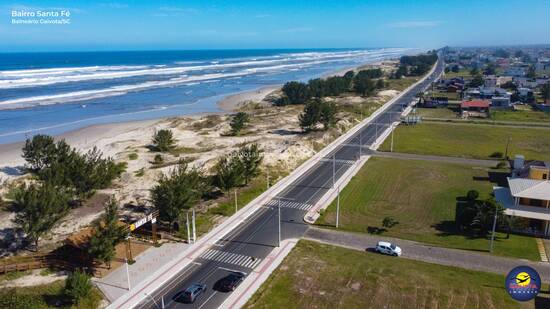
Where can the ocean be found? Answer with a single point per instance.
(53, 93)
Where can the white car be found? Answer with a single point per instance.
(385, 247)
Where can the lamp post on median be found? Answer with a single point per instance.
(338, 207)
(279, 219)
(493, 233)
(236, 205)
(333, 169)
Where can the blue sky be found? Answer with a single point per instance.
(124, 25)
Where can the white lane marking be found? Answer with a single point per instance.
(288, 204)
(208, 299)
(233, 270)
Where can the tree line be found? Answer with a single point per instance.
(184, 186)
(415, 65)
(363, 82)
(63, 177)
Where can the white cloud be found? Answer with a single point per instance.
(415, 24)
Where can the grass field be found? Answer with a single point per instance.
(422, 197)
(520, 116)
(321, 276)
(462, 73)
(441, 112)
(470, 140)
(44, 296)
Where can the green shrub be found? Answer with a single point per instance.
(496, 154)
(158, 159)
(77, 286)
(133, 156)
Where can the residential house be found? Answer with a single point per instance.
(490, 81)
(515, 71)
(500, 102)
(528, 195)
(475, 108)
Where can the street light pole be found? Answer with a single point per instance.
(391, 146)
(236, 205)
(194, 231)
(279, 217)
(267, 182)
(333, 168)
(338, 207)
(493, 233)
(187, 224)
(127, 274)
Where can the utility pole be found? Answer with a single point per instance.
(236, 205)
(338, 207)
(194, 231)
(162, 301)
(493, 234)
(507, 145)
(127, 274)
(279, 217)
(360, 144)
(188, 230)
(267, 182)
(333, 168)
(391, 146)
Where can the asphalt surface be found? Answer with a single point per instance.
(249, 243)
(426, 253)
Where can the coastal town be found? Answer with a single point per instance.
(214, 154)
(486, 113)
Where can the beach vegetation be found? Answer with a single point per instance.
(133, 156)
(39, 208)
(163, 140)
(251, 158)
(229, 172)
(107, 233)
(61, 165)
(315, 112)
(238, 122)
(78, 286)
(363, 83)
(158, 159)
(296, 92)
(416, 65)
(177, 191)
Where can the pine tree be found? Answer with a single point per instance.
(310, 116)
(238, 122)
(77, 286)
(40, 208)
(106, 234)
(327, 115)
(229, 172)
(251, 158)
(179, 190)
(163, 140)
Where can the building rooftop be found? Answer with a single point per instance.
(529, 188)
(476, 103)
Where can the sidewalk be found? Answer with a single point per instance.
(426, 253)
(115, 284)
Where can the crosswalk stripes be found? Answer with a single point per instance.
(338, 160)
(231, 258)
(289, 204)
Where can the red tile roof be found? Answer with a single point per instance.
(477, 103)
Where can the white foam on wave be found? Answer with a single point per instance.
(43, 77)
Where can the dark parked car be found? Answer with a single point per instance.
(190, 294)
(230, 282)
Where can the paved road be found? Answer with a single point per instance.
(412, 156)
(426, 253)
(254, 239)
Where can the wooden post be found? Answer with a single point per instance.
(129, 250)
(155, 234)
